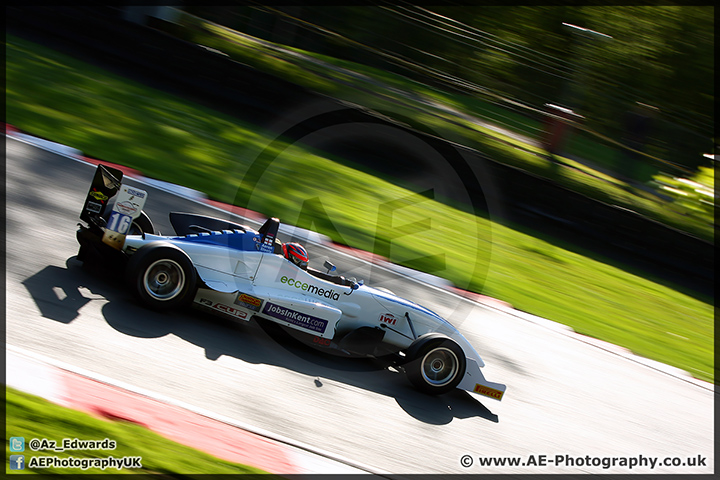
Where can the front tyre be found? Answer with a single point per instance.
(435, 364)
(162, 276)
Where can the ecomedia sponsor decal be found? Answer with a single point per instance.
(296, 318)
(314, 289)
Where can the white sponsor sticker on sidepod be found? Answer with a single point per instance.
(128, 205)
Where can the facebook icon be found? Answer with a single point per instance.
(17, 462)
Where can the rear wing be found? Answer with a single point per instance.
(129, 203)
(105, 185)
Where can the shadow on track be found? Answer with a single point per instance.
(60, 293)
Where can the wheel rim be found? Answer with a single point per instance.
(164, 280)
(439, 366)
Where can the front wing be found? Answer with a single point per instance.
(474, 381)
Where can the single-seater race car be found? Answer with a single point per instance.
(233, 270)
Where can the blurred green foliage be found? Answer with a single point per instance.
(658, 55)
(695, 194)
(445, 113)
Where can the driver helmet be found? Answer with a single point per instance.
(296, 253)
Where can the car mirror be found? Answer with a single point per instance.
(330, 267)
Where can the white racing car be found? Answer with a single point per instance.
(236, 271)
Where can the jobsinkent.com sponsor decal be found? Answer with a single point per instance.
(296, 318)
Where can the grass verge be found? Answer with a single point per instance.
(109, 117)
(31, 417)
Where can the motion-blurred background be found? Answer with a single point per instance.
(587, 130)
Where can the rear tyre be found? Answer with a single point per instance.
(435, 364)
(162, 276)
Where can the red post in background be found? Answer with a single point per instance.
(557, 127)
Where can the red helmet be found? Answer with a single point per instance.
(296, 253)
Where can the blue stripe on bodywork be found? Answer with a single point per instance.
(246, 242)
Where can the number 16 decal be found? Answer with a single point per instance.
(119, 223)
(127, 207)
